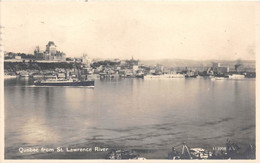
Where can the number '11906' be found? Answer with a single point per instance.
(219, 148)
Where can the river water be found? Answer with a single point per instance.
(149, 116)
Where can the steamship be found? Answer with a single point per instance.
(64, 82)
(67, 81)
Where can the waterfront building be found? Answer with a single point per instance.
(215, 66)
(129, 73)
(218, 69)
(159, 68)
(17, 57)
(135, 69)
(223, 70)
(191, 73)
(131, 63)
(239, 67)
(86, 60)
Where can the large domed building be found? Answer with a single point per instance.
(51, 53)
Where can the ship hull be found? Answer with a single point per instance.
(78, 83)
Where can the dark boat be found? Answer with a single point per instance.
(191, 76)
(139, 76)
(64, 82)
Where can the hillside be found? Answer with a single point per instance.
(196, 63)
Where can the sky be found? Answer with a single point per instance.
(144, 30)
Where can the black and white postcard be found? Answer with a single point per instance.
(129, 80)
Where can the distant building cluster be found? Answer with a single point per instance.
(115, 68)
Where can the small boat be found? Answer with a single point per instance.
(220, 78)
(236, 76)
(139, 75)
(164, 76)
(191, 76)
(9, 76)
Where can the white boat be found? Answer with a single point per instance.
(212, 78)
(220, 78)
(10, 76)
(164, 76)
(236, 76)
(173, 76)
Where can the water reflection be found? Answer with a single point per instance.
(138, 113)
(34, 132)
